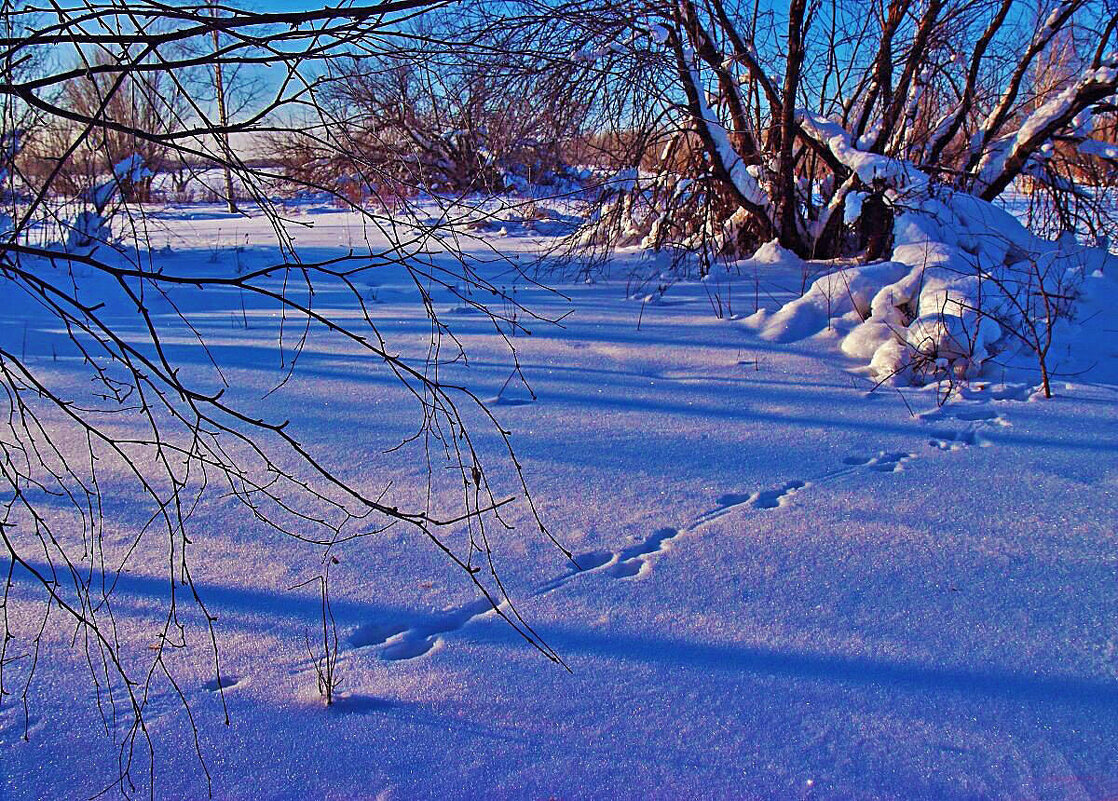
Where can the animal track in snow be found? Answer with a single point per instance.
(979, 391)
(889, 462)
(224, 683)
(884, 462)
(633, 560)
(401, 641)
(374, 634)
(763, 499)
(953, 440)
(974, 419)
(627, 569)
(584, 563)
(408, 642)
(592, 560)
(975, 414)
(773, 498)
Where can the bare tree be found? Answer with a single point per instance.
(103, 75)
(790, 112)
(878, 130)
(441, 109)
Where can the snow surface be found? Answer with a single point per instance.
(793, 587)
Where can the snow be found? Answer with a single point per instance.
(963, 283)
(88, 231)
(742, 178)
(852, 210)
(793, 585)
(844, 293)
(132, 169)
(659, 33)
(1104, 150)
(1000, 151)
(868, 166)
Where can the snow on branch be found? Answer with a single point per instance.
(1001, 112)
(1102, 150)
(867, 166)
(1007, 156)
(737, 170)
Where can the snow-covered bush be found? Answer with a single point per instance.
(133, 177)
(966, 281)
(897, 153)
(92, 226)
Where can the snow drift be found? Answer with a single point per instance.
(965, 281)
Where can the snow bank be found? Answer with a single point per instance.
(835, 296)
(960, 287)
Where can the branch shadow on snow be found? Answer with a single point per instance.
(224, 600)
(853, 670)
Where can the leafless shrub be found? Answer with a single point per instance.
(438, 109)
(1029, 300)
(326, 662)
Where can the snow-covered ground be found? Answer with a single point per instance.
(794, 587)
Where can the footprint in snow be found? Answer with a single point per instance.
(403, 642)
(624, 563)
(1010, 392)
(974, 417)
(408, 642)
(971, 415)
(592, 560)
(224, 683)
(634, 560)
(374, 633)
(774, 498)
(583, 563)
(889, 462)
(884, 462)
(947, 440)
(627, 569)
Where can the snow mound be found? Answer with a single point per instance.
(834, 296)
(963, 283)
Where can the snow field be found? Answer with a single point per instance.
(790, 584)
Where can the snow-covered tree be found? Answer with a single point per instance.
(886, 128)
